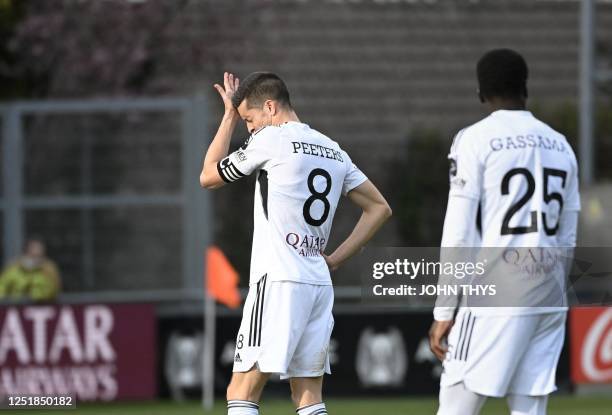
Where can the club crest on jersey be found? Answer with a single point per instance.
(240, 155)
(457, 182)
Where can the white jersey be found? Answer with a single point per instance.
(301, 174)
(522, 172)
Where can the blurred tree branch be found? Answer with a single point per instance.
(72, 48)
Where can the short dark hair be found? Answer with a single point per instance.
(502, 73)
(259, 87)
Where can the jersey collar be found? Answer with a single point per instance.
(513, 112)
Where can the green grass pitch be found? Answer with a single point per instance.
(559, 405)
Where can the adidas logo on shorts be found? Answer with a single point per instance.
(237, 358)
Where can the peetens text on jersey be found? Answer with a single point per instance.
(316, 150)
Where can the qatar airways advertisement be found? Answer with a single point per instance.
(94, 352)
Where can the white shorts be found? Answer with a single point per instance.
(285, 329)
(500, 355)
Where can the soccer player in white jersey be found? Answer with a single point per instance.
(301, 174)
(523, 175)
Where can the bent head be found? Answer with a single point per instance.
(502, 78)
(262, 99)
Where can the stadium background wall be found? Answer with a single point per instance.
(415, 60)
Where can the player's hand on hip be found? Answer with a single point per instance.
(227, 91)
(331, 264)
(437, 334)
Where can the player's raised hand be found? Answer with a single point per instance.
(437, 334)
(227, 91)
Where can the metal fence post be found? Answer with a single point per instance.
(86, 213)
(196, 210)
(587, 22)
(12, 174)
(188, 226)
(202, 214)
(203, 223)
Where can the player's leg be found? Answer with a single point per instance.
(244, 392)
(483, 354)
(310, 360)
(534, 379)
(247, 381)
(527, 405)
(458, 400)
(495, 351)
(307, 395)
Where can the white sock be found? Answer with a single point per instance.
(458, 400)
(314, 409)
(527, 405)
(238, 407)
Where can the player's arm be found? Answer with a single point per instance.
(376, 211)
(568, 226)
(568, 221)
(459, 230)
(459, 234)
(210, 178)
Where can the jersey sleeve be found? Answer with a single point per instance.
(466, 168)
(573, 192)
(353, 178)
(257, 150)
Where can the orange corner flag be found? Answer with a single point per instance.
(222, 279)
